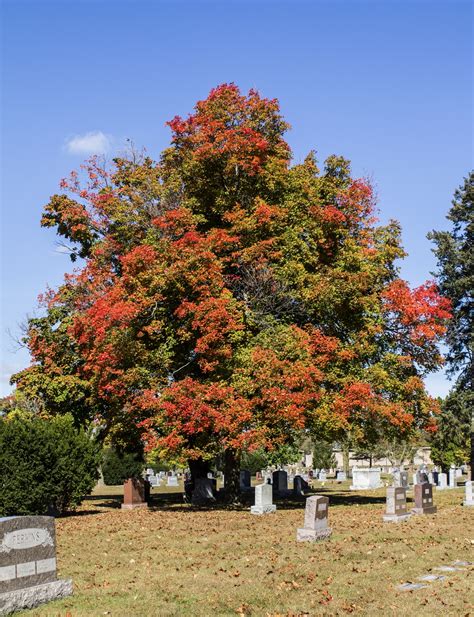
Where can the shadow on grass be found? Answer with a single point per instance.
(76, 513)
(175, 501)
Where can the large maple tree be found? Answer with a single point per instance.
(227, 299)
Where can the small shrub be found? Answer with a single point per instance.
(118, 467)
(46, 465)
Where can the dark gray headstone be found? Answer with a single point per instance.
(300, 486)
(203, 491)
(244, 479)
(28, 563)
(280, 481)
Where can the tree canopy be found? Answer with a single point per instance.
(226, 299)
(455, 253)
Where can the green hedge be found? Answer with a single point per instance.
(118, 467)
(46, 465)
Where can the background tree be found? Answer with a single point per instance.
(323, 455)
(227, 300)
(455, 253)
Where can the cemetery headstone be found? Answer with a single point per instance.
(154, 481)
(203, 491)
(315, 520)
(469, 501)
(452, 478)
(430, 477)
(424, 499)
(435, 477)
(458, 472)
(280, 481)
(400, 478)
(244, 479)
(172, 481)
(322, 477)
(263, 500)
(28, 563)
(364, 479)
(421, 476)
(396, 508)
(300, 486)
(442, 481)
(341, 476)
(136, 493)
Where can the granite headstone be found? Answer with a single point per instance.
(300, 486)
(136, 493)
(424, 499)
(315, 520)
(28, 563)
(469, 501)
(245, 479)
(263, 500)
(280, 481)
(396, 508)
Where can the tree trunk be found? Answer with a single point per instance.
(345, 458)
(231, 476)
(199, 469)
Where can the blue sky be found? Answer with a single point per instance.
(385, 83)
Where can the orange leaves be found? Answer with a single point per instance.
(228, 142)
(212, 320)
(191, 415)
(355, 399)
(358, 200)
(420, 314)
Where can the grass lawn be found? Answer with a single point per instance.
(175, 560)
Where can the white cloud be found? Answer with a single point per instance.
(94, 142)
